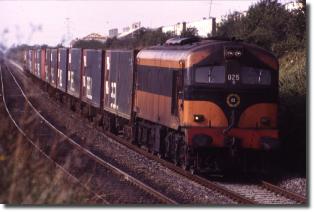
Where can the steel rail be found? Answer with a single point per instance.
(158, 195)
(41, 151)
(283, 192)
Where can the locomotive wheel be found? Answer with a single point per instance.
(184, 157)
(168, 146)
(73, 103)
(160, 155)
(194, 168)
(176, 157)
(112, 125)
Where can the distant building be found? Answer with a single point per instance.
(205, 27)
(90, 37)
(176, 29)
(219, 20)
(113, 32)
(95, 36)
(126, 29)
(243, 14)
(129, 31)
(293, 5)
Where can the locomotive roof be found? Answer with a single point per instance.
(169, 55)
(206, 43)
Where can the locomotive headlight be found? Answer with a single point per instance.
(198, 118)
(238, 53)
(233, 52)
(229, 54)
(265, 121)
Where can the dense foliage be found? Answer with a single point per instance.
(293, 109)
(136, 40)
(141, 38)
(268, 24)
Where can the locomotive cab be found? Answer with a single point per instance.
(232, 99)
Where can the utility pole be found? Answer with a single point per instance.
(68, 31)
(210, 8)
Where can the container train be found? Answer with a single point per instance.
(208, 105)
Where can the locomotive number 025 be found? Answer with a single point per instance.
(233, 77)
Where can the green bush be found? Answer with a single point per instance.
(292, 110)
(92, 44)
(269, 25)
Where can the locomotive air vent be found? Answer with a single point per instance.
(182, 41)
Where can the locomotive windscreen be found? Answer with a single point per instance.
(232, 75)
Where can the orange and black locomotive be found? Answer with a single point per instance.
(203, 100)
(204, 104)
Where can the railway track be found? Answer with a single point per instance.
(280, 191)
(261, 192)
(264, 193)
(19, 107)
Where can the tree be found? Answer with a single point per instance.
(267, 24)
(189, 32)
(139, 39)
(90, 44)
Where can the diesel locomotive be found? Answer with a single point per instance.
(206, 105)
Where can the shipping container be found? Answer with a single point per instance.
(25, 59)
(37, 62)
(47, 65)
(54, 67)
(119, 83)
(29, 60)
(75, 72)
(32, 62)
(62, 69)
(43, 65)
(92, 76)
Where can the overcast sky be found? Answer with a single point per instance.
(48, 22)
